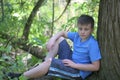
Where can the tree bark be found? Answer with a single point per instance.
(30, 20)
(109, 40)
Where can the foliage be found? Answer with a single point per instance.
(16, 14)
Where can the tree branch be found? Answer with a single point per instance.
(68, 2)
(30, 20)
(20, 43)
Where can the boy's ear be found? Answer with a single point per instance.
(92, 30)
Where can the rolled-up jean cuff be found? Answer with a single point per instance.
(58, 69)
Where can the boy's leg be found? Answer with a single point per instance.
(35, 72)
(53, 52)
(39, 70)
(64, 51)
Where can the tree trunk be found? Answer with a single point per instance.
(109, 40)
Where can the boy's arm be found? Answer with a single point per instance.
(53, 39)
(60, 34)
(94, 66)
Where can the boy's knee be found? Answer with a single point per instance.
(60, 39)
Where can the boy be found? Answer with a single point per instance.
(78, 63)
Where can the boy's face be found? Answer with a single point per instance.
(84, 31)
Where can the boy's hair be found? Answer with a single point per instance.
(85, 20)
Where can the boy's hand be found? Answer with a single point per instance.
(69, 63)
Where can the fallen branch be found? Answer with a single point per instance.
(20, 43)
